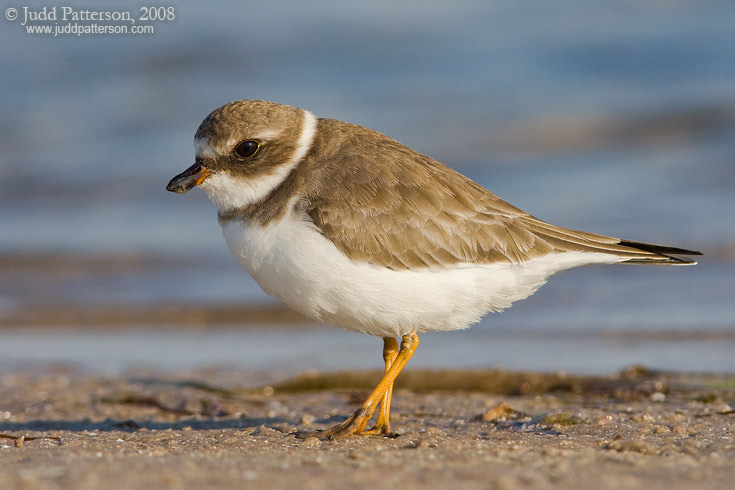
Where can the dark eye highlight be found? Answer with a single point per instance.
(247, 148)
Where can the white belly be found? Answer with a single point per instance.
(292, 261)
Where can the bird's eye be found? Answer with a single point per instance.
(247, 148)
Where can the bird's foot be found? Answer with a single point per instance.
(356, 423)
(382, 426)
(381, 430)
(353, 425)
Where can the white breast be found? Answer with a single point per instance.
(292, 261)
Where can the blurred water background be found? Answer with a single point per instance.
(613, 117)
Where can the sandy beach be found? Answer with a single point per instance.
(60, 428)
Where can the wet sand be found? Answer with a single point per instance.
(61, 428)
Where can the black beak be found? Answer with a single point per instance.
(189, 178)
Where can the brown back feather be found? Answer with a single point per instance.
(383, 203)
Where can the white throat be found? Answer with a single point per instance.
(229, 192)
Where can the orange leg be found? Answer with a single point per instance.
(382, 427)
(356, 423)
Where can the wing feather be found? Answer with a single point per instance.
(383, 203)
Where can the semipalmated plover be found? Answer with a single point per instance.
(350, 227)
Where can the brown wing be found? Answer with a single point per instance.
(383, 203)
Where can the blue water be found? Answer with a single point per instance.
(286, 352)
(613, 117)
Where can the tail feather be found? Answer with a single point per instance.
(662, 251)
(628, 251)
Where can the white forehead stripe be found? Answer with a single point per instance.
(230, 192)
(202, 148)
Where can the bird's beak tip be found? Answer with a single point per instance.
(188, 179)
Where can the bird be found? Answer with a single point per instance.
(350, 227)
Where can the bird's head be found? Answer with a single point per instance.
(244, 150)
